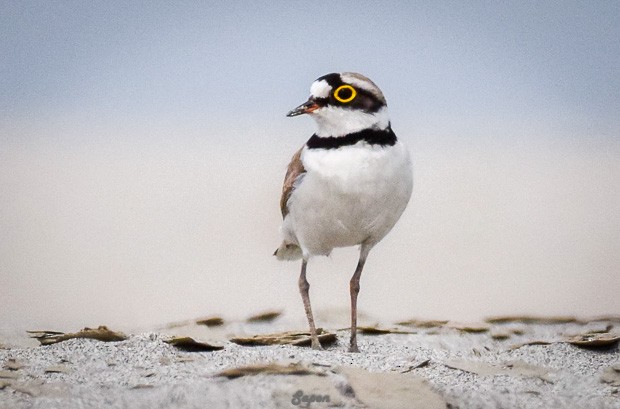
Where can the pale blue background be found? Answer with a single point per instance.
(550, 64)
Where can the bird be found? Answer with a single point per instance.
(348, 184)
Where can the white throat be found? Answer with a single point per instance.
(336, 121)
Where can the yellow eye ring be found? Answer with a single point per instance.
(343, 87)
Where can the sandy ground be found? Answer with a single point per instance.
(507, 365)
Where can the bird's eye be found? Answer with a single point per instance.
(345, 93)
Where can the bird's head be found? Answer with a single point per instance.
(343, 103)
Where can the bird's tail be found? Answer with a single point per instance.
(288, 251)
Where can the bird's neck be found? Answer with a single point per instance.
(335, 122)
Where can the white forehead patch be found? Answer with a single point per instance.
(320, 89)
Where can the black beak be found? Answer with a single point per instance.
(305, 108)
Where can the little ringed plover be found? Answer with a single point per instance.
(348, 185)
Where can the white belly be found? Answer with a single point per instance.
(348, 196)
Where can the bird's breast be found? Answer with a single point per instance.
(353, 166)
(349, 195)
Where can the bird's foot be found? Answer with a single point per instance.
(354, 348)
(316, 345)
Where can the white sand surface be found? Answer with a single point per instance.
(441, 367)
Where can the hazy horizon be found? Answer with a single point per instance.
(142, 151)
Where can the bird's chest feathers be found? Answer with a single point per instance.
(350, 169)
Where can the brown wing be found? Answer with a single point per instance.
(295, 168)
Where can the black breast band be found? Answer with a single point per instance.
(384, 137)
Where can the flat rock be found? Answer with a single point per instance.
(266, 316)
(611, 375)
(311, 391)
(532, 319)
(423, 323)
(270, 369)
(58, 369)
(8, 375)
(474, 327)
(211, 321)
(377, 330)
(594, 340)
(189, 344)
(13, 365)
(387, 390)
(102, 333)
(515, 368)
(297, 338)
